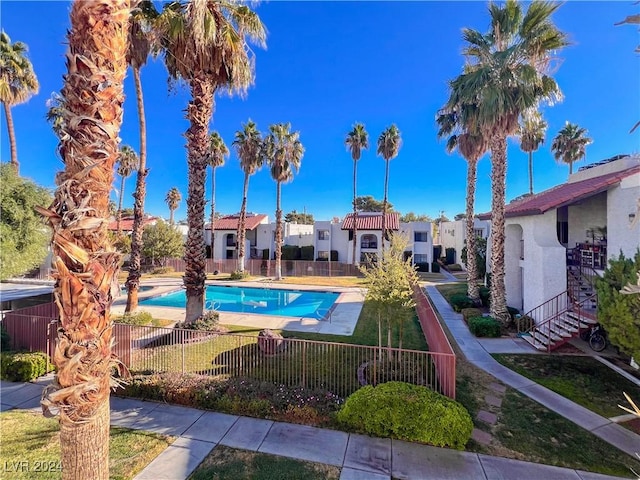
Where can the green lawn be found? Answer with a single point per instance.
(35, 440)
(581, 379)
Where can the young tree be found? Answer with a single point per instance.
(173, 199)
(389, 143)
(356, 141)
(127, 162)
(18, 82)
(23, 236)
(531, 130)
(86, 265)
(569, 145)
(249, 148)
(283, 152)
(215, 158)
(162, 241)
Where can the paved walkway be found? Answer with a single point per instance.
(359, 457)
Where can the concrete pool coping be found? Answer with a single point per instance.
(341, 320)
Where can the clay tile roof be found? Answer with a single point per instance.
(372, 221)
(230, 222)
(126, 224)
(562, 195)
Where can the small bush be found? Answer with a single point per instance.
(435, 267)
(407, 412)
(137, 318)
(485, 295)
(458, 302)
(162, 270)
(306, 252)
(209, 321)
(5, 339)
(23, 367)
(454, 267)
(422, 267)
(484, 326)
(238, 275)
(469, 313)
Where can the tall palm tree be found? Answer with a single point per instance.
(127, 162)
(569, 145)
(248, 145)
(506, 73)
(532, 131)
(471, 146)
(140, 44)
(172, 199)
(215, 158)
(205, 46)
(356, 141)
(283, 151)
(86, 264)
(389, 143)
(18, 82)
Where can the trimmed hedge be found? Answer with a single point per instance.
(484, 327)
(306, 253)
(138, 318)
(469, 313)
(435, 267)
(23, 367)
(460, 301)
(407, 412)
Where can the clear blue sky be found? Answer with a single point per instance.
(330, 64)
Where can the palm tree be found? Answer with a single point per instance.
(140, 44)
(389, 143)
(127, 162)
(283, 152)
(86, 264)
(569, 145)
(248, 145)
(356, 141)
(18, 82)
(205, 46)
(531, 130)
(506, 73)
(172, 199)
(471, 146)
(215, 158)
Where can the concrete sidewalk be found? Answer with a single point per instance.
(359, 457)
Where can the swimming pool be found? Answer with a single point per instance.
(263, 301)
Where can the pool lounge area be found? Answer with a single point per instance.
(341, 318)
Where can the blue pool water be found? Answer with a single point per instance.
(288, 303)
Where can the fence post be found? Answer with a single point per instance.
(182, 343)
(304, 365)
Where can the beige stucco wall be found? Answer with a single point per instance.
(622, 201)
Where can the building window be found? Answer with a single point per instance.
(420, 236)
(562, 228)
(231, 240)
(323, 255)
(478, 232)
(420, 258)
(369, 241)
(323, 234)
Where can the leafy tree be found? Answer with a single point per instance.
(532, 130)
(127, 212)
(480, 245)
(172, 199)
(618, 312)
(299, 218)
(459, 216)
(121, 242)
(356, 141)
(389, 143)
(569, 145)
(412, 217)
(370, 204)
(18, 82)
(218, 150)
(161, 241)
(23, 235)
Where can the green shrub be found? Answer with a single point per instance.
(435, 267)
(162, 270)
(5, 339)
(484, 326)
(306, 253)
(460, 301)
(469, 313)
(422, 267)
(454, 267)
(485, 295)
(407, 412)
(238, 275)
(209, 321)
(290, 252)
(138, 318)
(23, 367)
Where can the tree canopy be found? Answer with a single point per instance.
(162, 241)
(369, 204)
(23, 235)
(299, 218)
(412, 217)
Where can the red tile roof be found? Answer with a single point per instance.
(372, 221)
(230, 222)
(562, 195)
(126, 224)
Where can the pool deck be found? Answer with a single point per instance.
(341, 319)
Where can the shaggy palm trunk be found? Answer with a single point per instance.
(355, 216)
(86, 265)
(384, 204)
(530, 173)
(133, 279)
(12, 137)
(213, 208)
(171, 210)
(472, 267)
(498, 305)
(199, 113)
(119, 216)
(242, 224)
(278, 234)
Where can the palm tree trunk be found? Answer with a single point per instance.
(570, 167)
(213, 207)
(278, 234)
(133, 279)
(86, 265)
(498, 145)
(242, 224)
(384, 203)
(119, 216)
(171, 210)
(12, 137)
(531, 173)
(355, 216)
(199, 114)
(472, 267)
